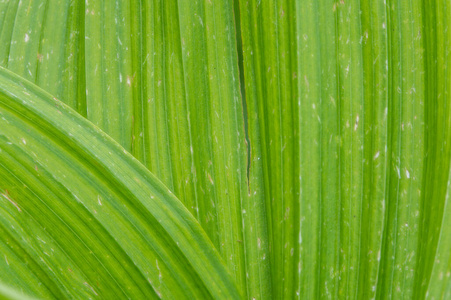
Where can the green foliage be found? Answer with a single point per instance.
(225, 149)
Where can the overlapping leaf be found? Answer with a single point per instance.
(345, 173)
(162, 79)
(82, 218)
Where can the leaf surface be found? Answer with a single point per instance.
(82, 218)
(162, 79)
(348, 120)
(325, 174)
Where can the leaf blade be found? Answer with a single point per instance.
(135, 215)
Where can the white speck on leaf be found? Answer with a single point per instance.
(12, 202)
(159, 271)
(90, 287)
(376, 155)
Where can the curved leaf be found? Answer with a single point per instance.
(167, 88)
(349, 129)
(161, 78)
(82, 218)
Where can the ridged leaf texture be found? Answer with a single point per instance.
(226, 149)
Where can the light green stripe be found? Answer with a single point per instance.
(7, 293)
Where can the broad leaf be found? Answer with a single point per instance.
(349, 101)
(161, 78)
(338, 160)
(80, 217)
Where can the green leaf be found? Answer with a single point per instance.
(51, 56)
(162, 79)
(348, 105)
(7, 293)
(80, 217)
(316, 159)
(438, 285)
